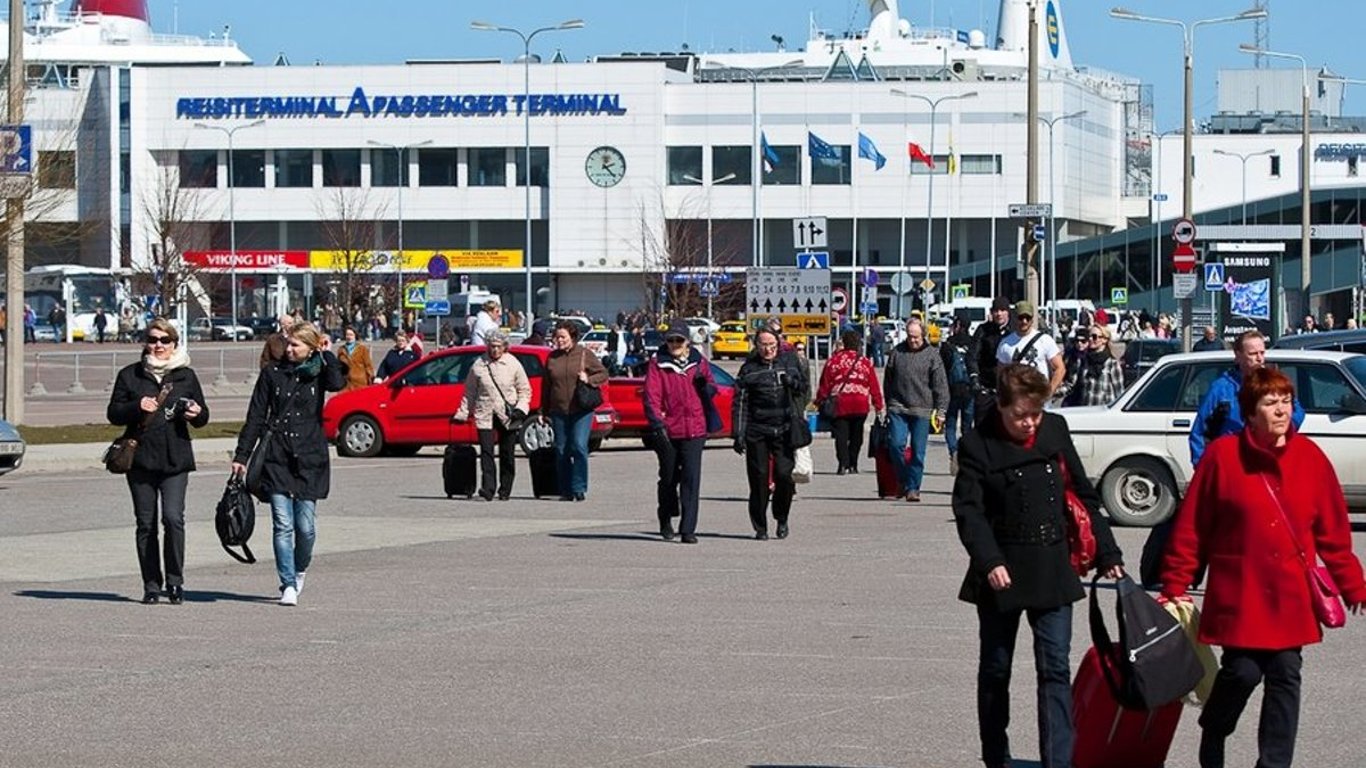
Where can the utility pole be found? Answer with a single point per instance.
(14, 216)
(1029, 250)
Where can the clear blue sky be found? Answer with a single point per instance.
(340, 32)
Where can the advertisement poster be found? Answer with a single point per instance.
(1250, 290)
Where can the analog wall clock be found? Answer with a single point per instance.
(605, 166)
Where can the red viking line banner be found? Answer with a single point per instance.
(247, 260)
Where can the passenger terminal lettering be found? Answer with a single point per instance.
(406, 105)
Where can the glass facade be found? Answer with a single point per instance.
(786, 170)
(540, 166)
(386, 164)
(732, 161)
(488, 167)
(198, 168)
(341, 167)
(829, 170)
(685, 166)
(293, 168)
(437, 167)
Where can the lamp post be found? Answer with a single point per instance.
(1053, 206)
(232, 211)
(1188, 160)
(401, 150)
(929, 206)
(526, 38)
(1305, 159)
(1244, 157)
(722, 180)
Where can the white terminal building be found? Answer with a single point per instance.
(642, 164)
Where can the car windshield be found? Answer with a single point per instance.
(1356, 365)
(596, 336)
(733, 327)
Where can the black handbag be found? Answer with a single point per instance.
(235, 519)
(1156, 661)
(877, 437)
(586, 396)
(256, 466)
(118, 457)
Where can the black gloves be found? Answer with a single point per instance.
(738, 446)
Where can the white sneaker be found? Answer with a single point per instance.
(290, 596)
(299, 582)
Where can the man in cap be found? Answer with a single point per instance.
(1031, 346)
(982, 361)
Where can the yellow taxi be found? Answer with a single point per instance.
(732, 340)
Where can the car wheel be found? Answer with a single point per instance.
(360, 436)
(1139, 492)
(594, 444)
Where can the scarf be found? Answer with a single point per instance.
(310, 368)
(157, 369)
(1095, 362)
(350, 347)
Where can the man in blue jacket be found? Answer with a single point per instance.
(1219, 414)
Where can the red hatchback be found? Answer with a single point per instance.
(414, 407)
(627, 395)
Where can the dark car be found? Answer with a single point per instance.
(262, 326)
(1353, 340)
(1142, 354)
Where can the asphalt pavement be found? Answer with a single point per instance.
(438, 632)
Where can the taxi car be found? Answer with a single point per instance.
(731, 340)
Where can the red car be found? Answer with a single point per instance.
(414, 407)
(627, 395)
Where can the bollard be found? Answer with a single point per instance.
(37, 389)
(113, 371)
(221, 380)
(76, 388)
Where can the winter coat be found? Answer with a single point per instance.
(850, 378)
(1010, 510)
(562, 375)
(360, 368)
(1220, 414)
(958, 343)
(1097, 381)
(985, 340)
(396, 360)
(915, 382)
(164, 447)
(1257, 591)
(674, 393)
(492, 389)
(288, 403)
(769, 395)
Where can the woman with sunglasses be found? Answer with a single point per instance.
(1098, 378)
(157, 400)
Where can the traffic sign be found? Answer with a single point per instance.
(870, 277)
(708, 289)
(16, 149)
(1119, 296)
(438, 267)
(1183, 231)
(438, 289)
(1030, 210)
(869, 308)
(415, 295)
(437, 307)
(814, 260)
(464, 283)
(809, 232)
(801, 297)
(1040, 233)
(903, 283)
(927, 284)
(961, 291)
(867, 296)
(1184, 285)
(1214, 277)
(839, 300)
(1183, 258)
(1160, 197)
(678, 278)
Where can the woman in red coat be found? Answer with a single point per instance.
(850, 379)
(1257, 604)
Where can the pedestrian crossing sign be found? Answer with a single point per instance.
(1214, 277)
(961, 291)
(415, 295)
(814, 260)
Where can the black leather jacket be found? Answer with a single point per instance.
(769, 393)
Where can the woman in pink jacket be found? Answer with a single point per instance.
(850, 379)
(679, 387)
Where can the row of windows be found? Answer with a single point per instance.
(732, 165)
(436, 167)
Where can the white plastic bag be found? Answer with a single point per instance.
(801, 465)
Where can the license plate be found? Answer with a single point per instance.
(11, 448)
(602, 418)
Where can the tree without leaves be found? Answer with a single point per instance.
(175, 220)
(348, 221)
(676, 241)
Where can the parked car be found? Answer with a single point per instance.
(597, 343)
(1142, 354)
(627, 395)
(219, 329)
(1136, 448)
(730, 340)
(262, 326)
(12, 448)
(1353, 340)
(701, 328)
(414, 407)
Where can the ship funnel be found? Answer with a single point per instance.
(131, 9)
(1012, 32)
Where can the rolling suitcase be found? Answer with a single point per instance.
(1111, 736)
(888, 484)
(545, 478)
(458, 470)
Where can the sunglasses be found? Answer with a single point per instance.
(1023, 317)
(164, 340)
(1096, 336)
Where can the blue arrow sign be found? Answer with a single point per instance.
(437, 307)
(1214, 277)
(814, 260)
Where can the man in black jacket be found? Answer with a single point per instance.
(982, 361)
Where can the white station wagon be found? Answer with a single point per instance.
(1136, 449)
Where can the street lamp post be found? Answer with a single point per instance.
(929, 206)
(526, 38)
(722, 180)
(1244, 157)
(232, 211)
(401, 150)
(1188, 121)
(1053, 206)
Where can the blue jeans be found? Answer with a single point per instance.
(293, 522)
(1052, 639)
(571, 450)
(899, 426)
(957, 405)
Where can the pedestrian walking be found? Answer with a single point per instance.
(569, 370)
(1209, 341)
(877, 343)
(489, 319)
(101, 323)
(57, 319)
(959, 367)
(360, 367)
(917, 390)
(273, 351)
(1008, 504)
(156, 400)
(1098, 378)
(1031, 346)
(679, 387)
(400, 356)
(1263, 507)
(498, 396)
(985, 340)
(284, 419)
(850, 382)
(768, 416)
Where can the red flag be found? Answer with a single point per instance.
(918, 153)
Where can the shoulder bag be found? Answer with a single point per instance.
(118, 457)
(1081, 539)
(828, 405)
(1323, 591)
(1155, 662)
(512, 417)
(586, 396)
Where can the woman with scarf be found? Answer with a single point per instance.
(157, 400)
(1099, 378)
(286, 417)
(360, 367)
(849, 378)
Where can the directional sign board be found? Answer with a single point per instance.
(437, 307)
(800, 297)
(814, 260)
(1214, 277)
(809, 232)
(1040, 233)
(1030, 210)
(438, 289)
(1184, 285)
(678, 278)
(868, 298)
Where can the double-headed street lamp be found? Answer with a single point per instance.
(401, 150)
(1052, 271)
(526, 38)
(929, 205)
(1244, 157)
(1188, 121)
(232, 211)
(721, 180)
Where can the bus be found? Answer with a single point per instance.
(87, 288)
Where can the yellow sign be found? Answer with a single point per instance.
(806, 324)
(413, 260)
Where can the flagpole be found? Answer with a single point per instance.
(853, 182)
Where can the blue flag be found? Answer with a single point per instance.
(821, 150)
(867, 149)
(770, 157)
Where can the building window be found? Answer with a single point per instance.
(784, 168)
(198, 168)
(1275, 166)
(1351, 165)
(249, 168)
(685, 166)
(941, 166)
(540, 166)
(385, 166)
(732, 161)
(436, 168)
(293, 168)
(341, 167)
(488, 167)
(989, 165)
(829, 170)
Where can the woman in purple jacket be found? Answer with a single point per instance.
(679, 387)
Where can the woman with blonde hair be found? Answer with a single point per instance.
(284, 420)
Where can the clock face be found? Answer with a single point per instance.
(605, 166)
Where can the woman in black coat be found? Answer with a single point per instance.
(164, 459)
(772, 390)
(286, 417)
(1010, 509)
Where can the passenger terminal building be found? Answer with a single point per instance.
(642, 164)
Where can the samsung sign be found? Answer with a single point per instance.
(361, 104)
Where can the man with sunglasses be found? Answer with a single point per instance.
(1031, 346)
